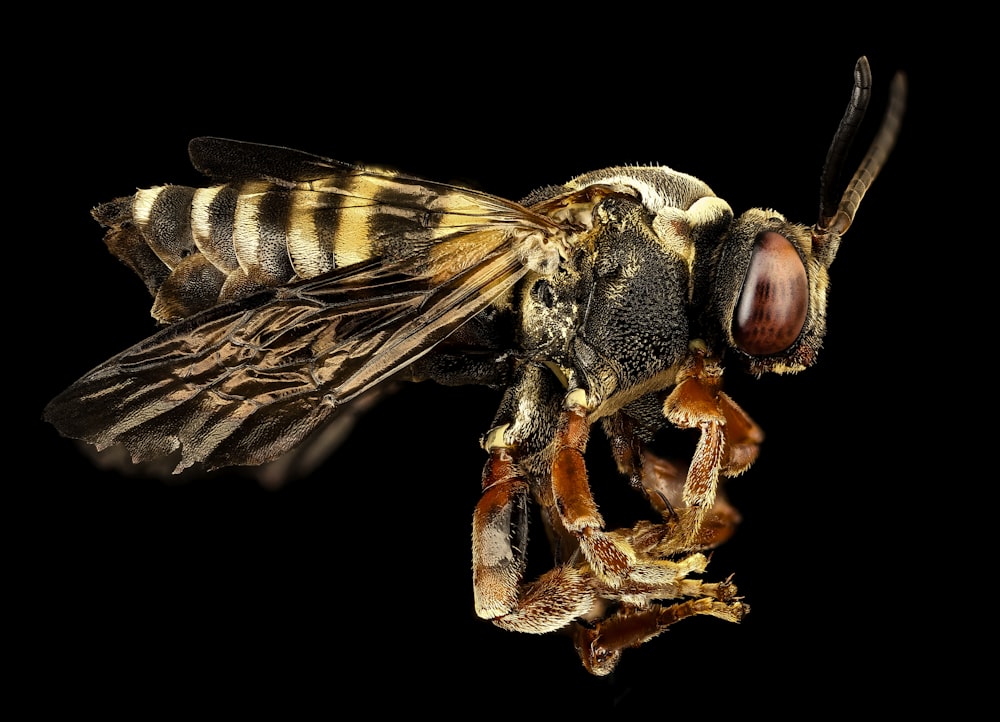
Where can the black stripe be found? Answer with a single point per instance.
(402, 232)
(272, 220)
(326, 221)
(169, 229)
(221, 212)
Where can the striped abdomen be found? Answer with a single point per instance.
(195, 247)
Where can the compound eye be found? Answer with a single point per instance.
(771, 310)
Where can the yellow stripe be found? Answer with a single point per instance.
(309, 258)
(246, 228)
(201, 227)
(142, 206)
(352, 241)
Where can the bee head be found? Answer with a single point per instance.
(770, 291)
(772, 277)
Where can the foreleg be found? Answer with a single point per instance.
(663, 483)
(728, 441)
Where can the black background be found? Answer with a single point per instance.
(360, 574)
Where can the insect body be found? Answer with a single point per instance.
(297, 287)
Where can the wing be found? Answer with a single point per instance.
(276, 215)
(243, 382)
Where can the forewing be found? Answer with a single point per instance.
(244, 382)
(279, 215)
(241, 382)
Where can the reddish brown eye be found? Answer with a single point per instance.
(772, 306)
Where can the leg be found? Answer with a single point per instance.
(611, 559)
(499, 537)
(574, 592)
(638, 616)
(600, 646)
(663, 482)
(729, 438)
(604, 620)
(536, 447)
(606, 585)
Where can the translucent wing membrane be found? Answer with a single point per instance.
(242, 381)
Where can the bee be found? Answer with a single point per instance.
(295, 290)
